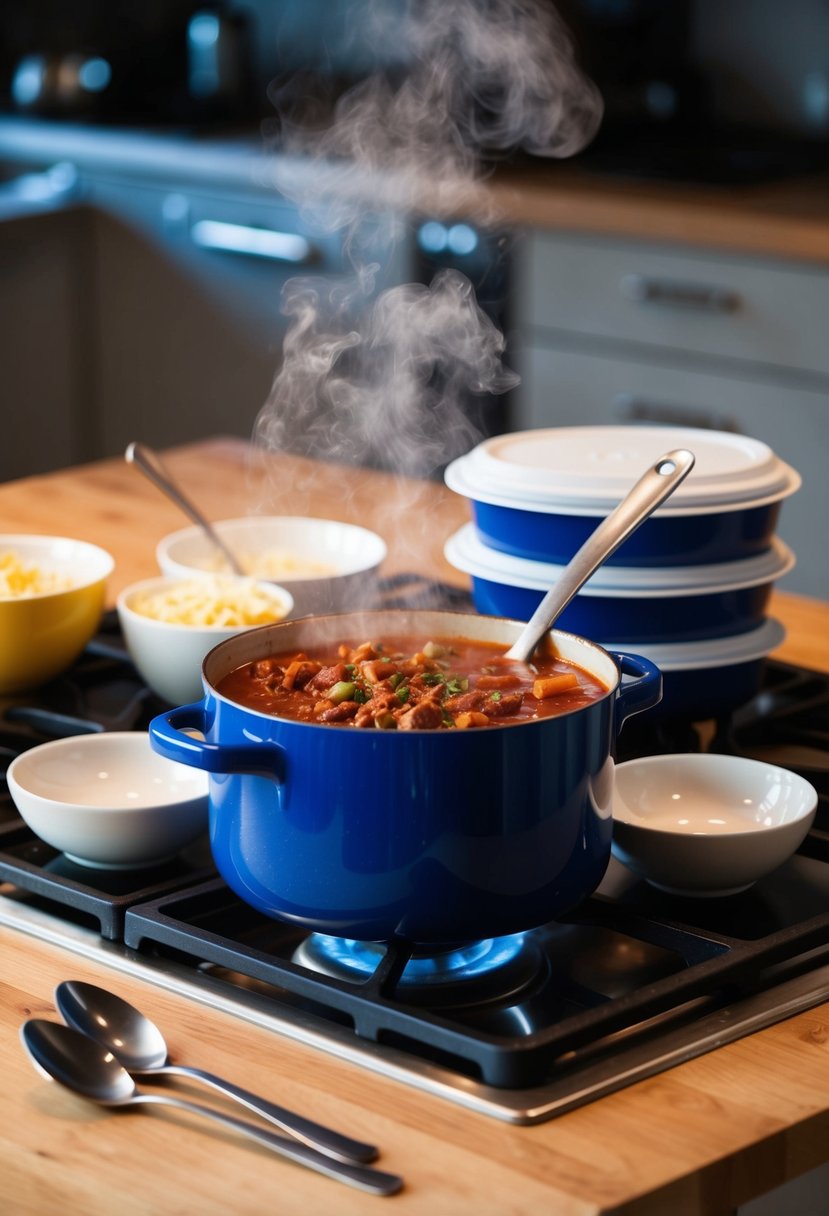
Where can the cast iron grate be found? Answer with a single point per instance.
(86, 895)
(624, 959)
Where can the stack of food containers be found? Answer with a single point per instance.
(689, 589)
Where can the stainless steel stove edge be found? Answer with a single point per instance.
(632, 1063)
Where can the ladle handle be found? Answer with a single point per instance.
(325, 1139)
(149, 463)
(652, 488)
(364, 1177)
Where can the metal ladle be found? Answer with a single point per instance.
(649, 492)
(149, 463)
(139, 1046)
(87, 1068)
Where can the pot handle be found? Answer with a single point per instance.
(167, 737)
(643, 691)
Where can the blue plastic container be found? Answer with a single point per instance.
(539, 494)
(436, 837)
(704, 680)
(635, 606)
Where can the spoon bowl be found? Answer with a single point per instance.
(92, 1071)
(139, 1047)
(77, 1062)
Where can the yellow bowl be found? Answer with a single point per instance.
(42, 633)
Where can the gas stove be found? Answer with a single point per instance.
(523, 1028)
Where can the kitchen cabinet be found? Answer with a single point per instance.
(624, 331)
(43, 329)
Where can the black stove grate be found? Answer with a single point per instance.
(628, 964)
(86, 895)
(625, 959)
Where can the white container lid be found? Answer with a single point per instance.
(587, 470)
(716, 652)
(465, 551)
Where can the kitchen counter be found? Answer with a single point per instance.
(700, 1139)
(787, 218)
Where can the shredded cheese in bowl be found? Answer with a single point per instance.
(215, 602)
(274, 564)
(20, 579)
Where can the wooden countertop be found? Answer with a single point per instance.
(786, 219)
(699, 1139)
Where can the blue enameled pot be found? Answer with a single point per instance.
(431, 836)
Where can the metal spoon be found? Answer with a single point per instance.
(89, 1069)
(139, 1046)
(149, 463)
(650, 491)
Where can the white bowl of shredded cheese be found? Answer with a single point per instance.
(328, 565)
(169, 625)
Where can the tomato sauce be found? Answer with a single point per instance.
(402, 683)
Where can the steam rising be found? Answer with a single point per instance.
(381, 375)
(418, 349)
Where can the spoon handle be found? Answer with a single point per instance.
(649, 492)
(327, 1141)
(150, 465)
(364, 1177)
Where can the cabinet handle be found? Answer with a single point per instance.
(644, 290)
(636, 407)
(267, 243)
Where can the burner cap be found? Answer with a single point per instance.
(494, 969)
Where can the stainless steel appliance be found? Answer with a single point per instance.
(522, 1029)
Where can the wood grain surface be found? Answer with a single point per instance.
(699, 1139)
(786, 219)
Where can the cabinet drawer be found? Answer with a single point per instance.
(725, 307)
(566, 388)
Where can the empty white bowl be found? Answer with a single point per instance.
(327, 565)
(108, 800)
(708, 824)
(168, 653)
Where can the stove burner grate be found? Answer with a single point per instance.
(87, 894)
(622, 959)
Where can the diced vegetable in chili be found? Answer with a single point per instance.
(400, 684)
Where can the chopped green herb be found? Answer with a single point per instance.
(396, 679)
(402, 693)
(360, 696)
(457, 685)
(432, 677)
(495, 696)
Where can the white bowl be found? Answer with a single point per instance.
(167, 654)
(327, 565)
(108, 800)
(706, 824)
